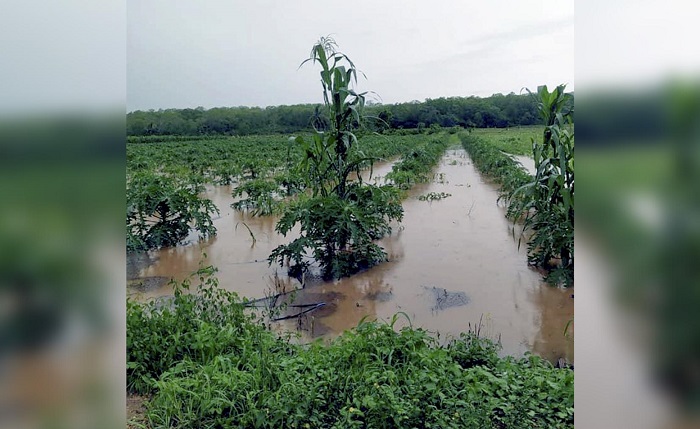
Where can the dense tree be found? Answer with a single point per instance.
(497, 111)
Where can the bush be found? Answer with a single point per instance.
(340, 231)
(192, 327)
(161, 210)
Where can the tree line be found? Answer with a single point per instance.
(496, 111)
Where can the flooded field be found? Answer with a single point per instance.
(454, 264)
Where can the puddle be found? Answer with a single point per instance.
(461, 247)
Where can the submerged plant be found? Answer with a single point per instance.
(161, 211)
(341, 217)
(434, 196)
(259, 197)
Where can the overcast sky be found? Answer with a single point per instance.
(184, 53)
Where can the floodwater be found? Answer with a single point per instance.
(454, 265)
(526, 162)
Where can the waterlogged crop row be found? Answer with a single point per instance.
(166, 174)
(544, 202)
(417, 162)
(225, 160)
(219, 161)
(209, 363)
(499, 166)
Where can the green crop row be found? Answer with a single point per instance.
(543, 202)
(417, 162)
(498, 166)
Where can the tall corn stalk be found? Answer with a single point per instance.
(548, 201)
(341, 219)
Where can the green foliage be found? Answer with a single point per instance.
(221, 160)
(548, 200)
(191, 327)
(208, 364)
(226, 160)
(545, 203)
(340, 231)
(516, 141)
(260, 197)
(417, 163)
(496, 164)
(496, 111)
(161, 210)
(342, 216)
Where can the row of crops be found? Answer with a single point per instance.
(544, 204)
(166, 178)
(224, 160)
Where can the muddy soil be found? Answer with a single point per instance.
(452, 263)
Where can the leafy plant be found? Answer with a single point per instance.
(209, 364)
(196, 327)
(260, 197)
(340, 232)
(341, 217)
(548, 200)
(544, 203)
(161, 210)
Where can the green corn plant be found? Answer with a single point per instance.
(548, 201)
(341, 217)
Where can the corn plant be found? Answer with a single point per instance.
(341, 217)
(548, 201)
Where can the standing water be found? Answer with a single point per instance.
(454, 265)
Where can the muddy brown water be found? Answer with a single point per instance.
(527, 162)
(453, 264)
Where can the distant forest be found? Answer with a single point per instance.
(496, 111)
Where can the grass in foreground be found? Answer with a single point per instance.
(208, 363)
